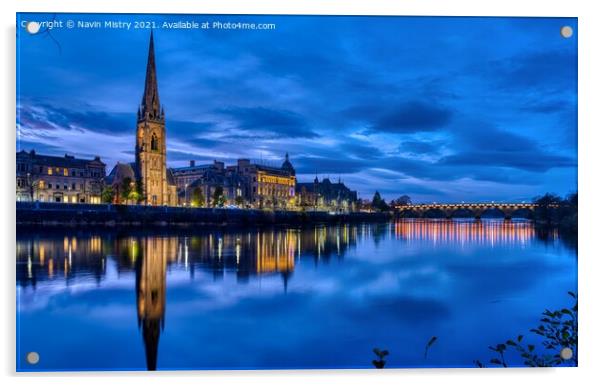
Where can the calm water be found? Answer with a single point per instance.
(319, 297)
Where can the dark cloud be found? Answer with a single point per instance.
(547, 107)
(191, 131)
(310, 165)
(269, 122)
(360, 150)
(543, 70)
(414, 116)
(420, 147)
(40, 148)
(48, 117)
(535, 161)
(484, 145)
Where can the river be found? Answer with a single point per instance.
(284, 297)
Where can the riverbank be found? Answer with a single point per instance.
(63, 214)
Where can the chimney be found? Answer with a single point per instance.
(192, 163)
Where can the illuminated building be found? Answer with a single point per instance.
(197, 185)
(326, 195)
(65, 179)
(245, 184)
(268, 187)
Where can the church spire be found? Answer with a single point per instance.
(151, 106)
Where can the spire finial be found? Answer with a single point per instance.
(151, 106)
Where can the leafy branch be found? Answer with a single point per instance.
(381, 354)
(558, 329)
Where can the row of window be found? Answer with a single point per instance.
(272, 191)
(22, 167)
(42, 185)
(68, 199)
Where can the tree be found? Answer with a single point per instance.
(239, 200)
(378, 203)
(567, 217)
(547, 208)
(139, 191)
(108, 194)
(125, 188)
(218, 197)
(198, 198)
(134, 196)
(403, 200)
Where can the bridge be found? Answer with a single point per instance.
(476, 210)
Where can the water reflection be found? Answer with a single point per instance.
(474, 232)
(151, 276)
(59, 258)
(245, 254)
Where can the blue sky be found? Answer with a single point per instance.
(441, 109)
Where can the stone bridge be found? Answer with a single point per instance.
(476, 210)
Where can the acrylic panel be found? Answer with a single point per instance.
(201, 192)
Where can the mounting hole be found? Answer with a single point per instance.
(33, 358)
(32, 27)
(566, 353)
(566, 31)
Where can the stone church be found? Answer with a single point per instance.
(149, 173)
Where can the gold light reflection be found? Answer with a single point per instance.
(42, 254)
(474, 232)
(50, 267)
(276, 252)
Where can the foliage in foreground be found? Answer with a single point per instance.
(558, 331)
(380, 354)
(558, 334)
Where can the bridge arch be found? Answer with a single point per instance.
(493, 212)
(434, 212)
(461, 212)
(523, 212)
(410, 213)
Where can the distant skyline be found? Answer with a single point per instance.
(437, 108)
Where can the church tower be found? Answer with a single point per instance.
(151, 168)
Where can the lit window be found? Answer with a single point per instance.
(66, 172)
(49, 171)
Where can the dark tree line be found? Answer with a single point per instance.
(379, 204)
(552, 210)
